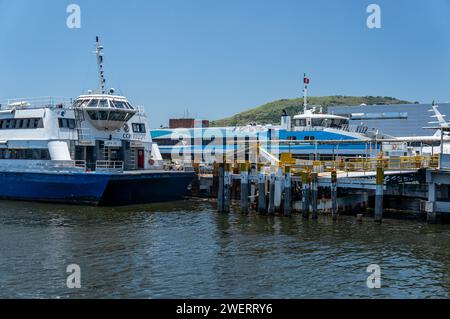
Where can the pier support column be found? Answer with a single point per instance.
(220, 190)
(287, 192)
(215, 183)
(262, 193)
(431, 204)
(334, 207)
(227, 189)
(379, 194)
(244, 189)
(314, 194)
(271, 209)
(305, 194)
(279, 179)
(253, 182)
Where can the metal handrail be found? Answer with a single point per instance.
(109, 166)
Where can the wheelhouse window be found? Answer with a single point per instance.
(138, 128)
(300, 122)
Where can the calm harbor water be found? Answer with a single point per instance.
(187, 250)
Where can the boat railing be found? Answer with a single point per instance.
(35, 102)
(109, 166)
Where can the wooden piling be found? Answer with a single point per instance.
(314, 194)
(334, 208)
(271, 209)
(262, 193)
(279, 179)
(287, 192)
(227, 189)
(220, 188)
(305, 194)
(244, 189)
(379, 193)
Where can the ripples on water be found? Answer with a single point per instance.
(187, 250)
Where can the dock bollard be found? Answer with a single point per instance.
(220, 188)
(314, 194)
(262, 193)
(271, 209)
(287, 192)
(244, 189)
(334, 208)
(379, 194)
(305, 194)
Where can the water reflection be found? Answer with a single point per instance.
(186, 249)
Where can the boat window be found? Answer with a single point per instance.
(309, 138)
(93, 115)
(25, 154)
(21, 123)
(129, 106)
(103, 115)
(93, 103)
(300, 122)
(103, 104)
(138, 127)
(66, 123)
(120, 105)
(117, 116)
(317, 122)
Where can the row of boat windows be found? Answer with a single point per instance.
(33, 123)
(29, 123)
(109, 116)
(103, 104)
(25, 154)
(333, 123)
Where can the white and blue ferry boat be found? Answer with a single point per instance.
(94, 149)
(312, 134)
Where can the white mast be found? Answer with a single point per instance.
(101, 80)
(305, 92)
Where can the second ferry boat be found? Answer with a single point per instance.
(93, 150)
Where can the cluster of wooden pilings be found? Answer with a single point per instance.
(271, 192)
(275, 191)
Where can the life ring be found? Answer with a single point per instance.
(151, 162)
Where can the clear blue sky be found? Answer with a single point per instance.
(218, 57)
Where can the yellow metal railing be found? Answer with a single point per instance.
(351, 164)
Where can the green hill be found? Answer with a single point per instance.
(271, 112)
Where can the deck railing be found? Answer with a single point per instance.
(109, 166)
(354, 164)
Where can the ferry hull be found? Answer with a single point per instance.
(141, 188)
(71, 188)
(93, 188)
